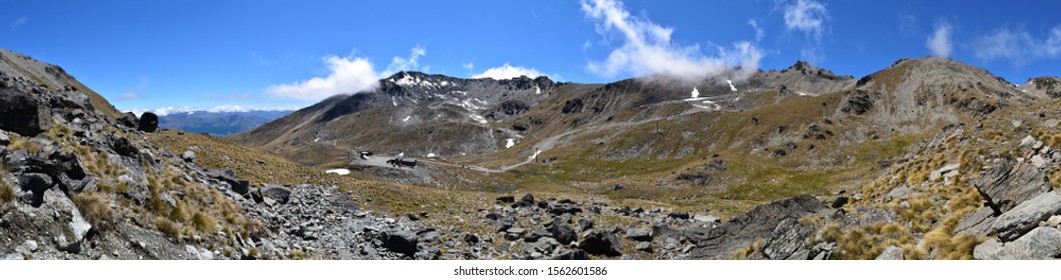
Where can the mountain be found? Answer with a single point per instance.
(218, 123)
(722, 144)
(928, 158)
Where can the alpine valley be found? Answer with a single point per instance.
(927, 158)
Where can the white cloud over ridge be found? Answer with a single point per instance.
(1017, 45)
(940, 40)
(647, 48)
(508, 72)
(347, 75)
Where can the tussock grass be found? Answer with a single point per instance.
(6, 193)
(96, 209)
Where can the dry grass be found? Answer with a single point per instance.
(6, 193)
(96, 209)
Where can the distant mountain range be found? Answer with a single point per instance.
(218, 123)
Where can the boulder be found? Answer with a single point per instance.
(526, 201)
(148, 122)
(644, 247)
(584, 225)
(36, 183)
(4, 140)
(1039, 244)
(892, 253)
(228, 175)
(562, 232)
(188, 156)
(122, 146)
(640, 234)
(1009, 183)
(279, 194)
(403, 242)
(129, 120)
(601, 243)
(506, 199)
(679, 215)
(22, 113)
(1026, 216)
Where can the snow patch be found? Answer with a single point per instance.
(406, 119)
(431, 155)
(537, 90)
(511, 142)
(696, 93)
(394, 101)
(535, 155)
(340, 171)
(731, 87)
(315, 140)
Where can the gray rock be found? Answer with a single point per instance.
(22, 113)
(898, 192)
(403, 242)
(1039, 244)
(644, 247)
(584, 225)
(12, 257)
(1009, 183)
(601, 243)
(228, 175)
(200, 254)
(4, 140)
(562, 232)
(744, 229)
(1038, 161)
(989, 250)
(788, 238)
(939, 173)
(892, 253)
(640, 234)
(279, 194)
(708, 219)
(30, 245)
(1027, 141)
(976, 223)
(188, 156)
(1026, 216)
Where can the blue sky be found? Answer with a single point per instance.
(205, 54)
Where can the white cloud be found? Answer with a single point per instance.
(807, 16)
(508, 72)
(759, 32)
(1017, 45)
(647, 48)
(348, 75)
(407, 64)
(470, 66)
(134, 93)
(19, 22)
(939, 42)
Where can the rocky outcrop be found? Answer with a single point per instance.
(1026, 216)
(758, 224)
(1009, 183)
(1039, 244)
